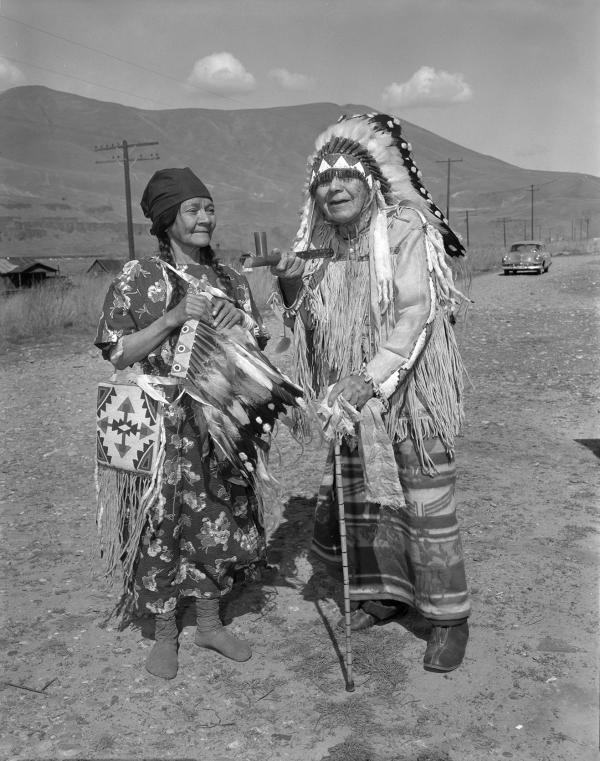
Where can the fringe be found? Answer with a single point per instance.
(269, 496)
(126, 504)
(429, 401)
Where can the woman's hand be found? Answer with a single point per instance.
(193, 306)
(225, 314)
(355, 390)
(219, 313)
(289, 267)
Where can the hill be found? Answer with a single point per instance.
(56, 200)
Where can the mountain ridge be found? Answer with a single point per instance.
(254, 162)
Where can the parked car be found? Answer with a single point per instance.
(527, 256)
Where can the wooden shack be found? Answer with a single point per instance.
(105, 267)
(22, 272)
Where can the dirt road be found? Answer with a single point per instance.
(528, 468)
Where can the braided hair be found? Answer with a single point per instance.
(160, 228)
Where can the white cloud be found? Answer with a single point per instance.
(10, 74)
(291, 81)
(428, 87)
(221, 73)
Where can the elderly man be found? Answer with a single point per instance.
(373, 344)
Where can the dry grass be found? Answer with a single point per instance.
(484, 258)
(50, 309)
(53, 307)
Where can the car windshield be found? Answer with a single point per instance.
(525, 247)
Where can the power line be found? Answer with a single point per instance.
(504, 220)
(97, 136)
(467, 212)
(125, 146)
(448, 161)
(116, 58)
(532, 188)
(524, 187)
(55, 125)
(87, 82)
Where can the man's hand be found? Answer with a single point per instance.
(355, 390)
(290, 266)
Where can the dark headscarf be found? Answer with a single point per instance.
(167, 189)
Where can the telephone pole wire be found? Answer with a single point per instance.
(504, 220)
(448, 161)
(467, 212)
(532, 189)
(124, 148)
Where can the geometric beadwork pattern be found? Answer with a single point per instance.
(127, 427)
(183, 349)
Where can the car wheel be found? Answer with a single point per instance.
(506, 272)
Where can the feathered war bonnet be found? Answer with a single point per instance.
(371, 147)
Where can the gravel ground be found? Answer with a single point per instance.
(73, 687)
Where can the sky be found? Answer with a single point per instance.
(515, 79)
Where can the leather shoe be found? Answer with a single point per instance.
(446, 647)
(359, 620)
(373, 613)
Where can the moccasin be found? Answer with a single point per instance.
(446, 647)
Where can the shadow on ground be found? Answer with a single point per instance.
(592, 444)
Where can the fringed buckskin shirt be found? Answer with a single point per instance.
(346, 319)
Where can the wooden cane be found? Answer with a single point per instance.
(339, 488)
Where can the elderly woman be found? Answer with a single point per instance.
(208, 526)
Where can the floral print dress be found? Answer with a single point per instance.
(210, 526)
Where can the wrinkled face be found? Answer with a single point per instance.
(342, 199)
(194, 224)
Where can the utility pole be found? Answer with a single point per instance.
(505, 226)
(448, 161)
(532, 189)
(504, 220)
(473, 211)
(125, 160)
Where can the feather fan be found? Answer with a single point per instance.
(241, 392)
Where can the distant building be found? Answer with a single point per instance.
(105, 266)
(22, 272)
